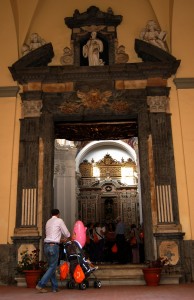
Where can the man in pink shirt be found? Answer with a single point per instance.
(55, 230)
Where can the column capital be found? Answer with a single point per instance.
(31, 109)
(158, 104)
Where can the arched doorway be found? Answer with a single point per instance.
(105, 193)
(69, 158)
(110, 161)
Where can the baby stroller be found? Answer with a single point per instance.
(75, 255)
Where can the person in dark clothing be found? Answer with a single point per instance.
(110, 241)
(90, 245)
(120, 241)
(141, 245)
(99, 231)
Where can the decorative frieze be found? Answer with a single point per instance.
(112, 72)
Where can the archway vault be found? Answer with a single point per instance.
(94, 145)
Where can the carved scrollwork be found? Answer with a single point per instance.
(94, 98)
(59, 169)
(67, 58)
(120, 56)
(93, 28)
(70, 108)
(120, 106)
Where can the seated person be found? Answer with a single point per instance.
(74, 252)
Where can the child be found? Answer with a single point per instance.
(74, 250)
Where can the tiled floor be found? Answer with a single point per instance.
(162, 292)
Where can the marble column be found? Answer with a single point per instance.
(65, 181)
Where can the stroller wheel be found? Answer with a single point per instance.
(97, 284)
(82, 286)
(71, 284)
(86, 283)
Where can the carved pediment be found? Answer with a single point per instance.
(93, 16)
(39, 57)
(107, 160)
(149, 52)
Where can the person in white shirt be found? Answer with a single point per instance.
(55, 230)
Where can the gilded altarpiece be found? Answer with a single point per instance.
(104, 198)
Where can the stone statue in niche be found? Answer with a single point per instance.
(92, 49)
(35, 42)
(153, 35)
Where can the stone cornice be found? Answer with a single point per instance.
(8, 91)
(128, 71)
(184, 83)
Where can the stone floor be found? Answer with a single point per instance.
(163, 292)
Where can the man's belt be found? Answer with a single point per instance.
(51, 243)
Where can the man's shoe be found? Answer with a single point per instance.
(40, 289)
